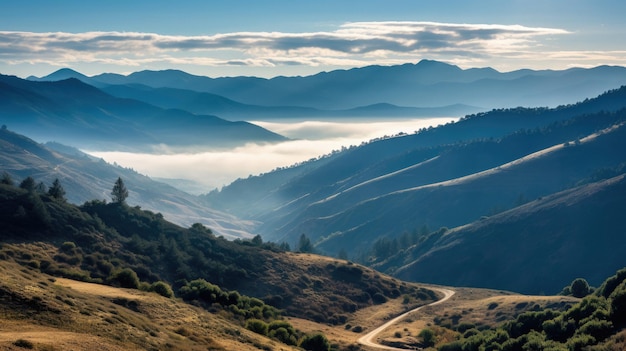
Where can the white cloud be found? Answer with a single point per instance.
(351, 44)
(218, 168)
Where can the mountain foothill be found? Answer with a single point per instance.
(506, 200)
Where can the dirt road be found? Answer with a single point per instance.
(369, 338)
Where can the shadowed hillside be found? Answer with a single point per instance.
(537, 248)
(85, 178)
(392, 185)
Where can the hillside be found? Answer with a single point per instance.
(126, 247)
(426, 84)
(97, 241)
(85, 178)
(332, 195)
(46, 313)
(548, 237)
(74, 113)
(372, 201)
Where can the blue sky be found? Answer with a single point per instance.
(292, 37)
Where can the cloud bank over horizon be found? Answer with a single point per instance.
(311, 139)
(351, 44)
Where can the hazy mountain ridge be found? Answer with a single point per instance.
(86, 178)
(72, 112)
(426, 84)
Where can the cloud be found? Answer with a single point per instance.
(351, 41)
(214, 169)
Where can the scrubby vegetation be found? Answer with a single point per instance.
(251, 281)
(595, 323)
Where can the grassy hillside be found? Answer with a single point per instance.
(126, 246)
(41, 312)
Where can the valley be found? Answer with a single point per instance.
(498, 230)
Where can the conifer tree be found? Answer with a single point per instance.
(56, 190)
(119, 193)
(28, 184)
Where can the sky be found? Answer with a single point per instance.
(297, 37)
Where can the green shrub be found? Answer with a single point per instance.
(126, 278)
(316, 342)
(257, 326)
(162, 289)
(428, 337)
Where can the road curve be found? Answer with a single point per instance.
(368, 339)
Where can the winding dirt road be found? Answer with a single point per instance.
(369, 338)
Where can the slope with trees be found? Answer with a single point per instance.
(121, 245)
(329, 197)
(85, 178)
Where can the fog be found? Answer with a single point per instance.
(214, 169)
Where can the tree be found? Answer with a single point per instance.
(56, 190)
(257, 240)
(580, 288)
(119, 193)
(28, 184)
(305, 245)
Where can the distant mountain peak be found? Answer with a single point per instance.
(62, 74)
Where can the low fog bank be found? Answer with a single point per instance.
(214, 169)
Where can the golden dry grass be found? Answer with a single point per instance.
(61, 314)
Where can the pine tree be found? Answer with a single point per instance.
(305, 245)
(56, 190)
(119, 193)
(28, 184)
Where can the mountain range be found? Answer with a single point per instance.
(405, 191)
(447, 176)
(74, 113)
(434, 86)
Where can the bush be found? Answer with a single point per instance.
(618, 305)
(257, 326)
(162, 289)
(283, 332)
(126, 278)
(580, 288)
(379, 298)
(24, 344)
(68, 247)
(428, 337)
(316, 342)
